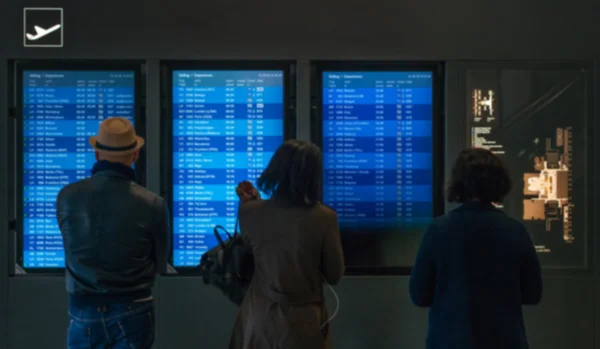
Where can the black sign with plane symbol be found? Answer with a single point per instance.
(43, 27)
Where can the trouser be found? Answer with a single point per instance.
(112, 326)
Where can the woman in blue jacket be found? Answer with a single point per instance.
(476, 266)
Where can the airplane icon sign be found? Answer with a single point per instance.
(43, 27)
(41, 32)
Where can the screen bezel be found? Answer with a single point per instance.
(20, 68)
(437, 71)
(289, 120)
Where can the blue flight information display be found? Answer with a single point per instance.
(377, 149)
(61, 110)
(226, 127)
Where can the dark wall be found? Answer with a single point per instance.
(375, 312)
(431, 29)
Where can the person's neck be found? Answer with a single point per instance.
(117, 162)
(119, 167)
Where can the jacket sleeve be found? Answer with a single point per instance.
(162, 237)
(61, 215)
(423, 273)
(332, 255)
(531, 273)
(242, 217)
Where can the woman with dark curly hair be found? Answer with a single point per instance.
(476, 266)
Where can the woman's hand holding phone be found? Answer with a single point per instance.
(246, 192)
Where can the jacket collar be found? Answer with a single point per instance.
(113, 169)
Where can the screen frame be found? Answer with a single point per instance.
(20, 67)
(438, 131)
(167, 68)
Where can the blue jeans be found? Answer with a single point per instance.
(114, 326)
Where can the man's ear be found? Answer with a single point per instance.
(136, 155)
(97, 156)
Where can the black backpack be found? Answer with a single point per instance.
(228, 266)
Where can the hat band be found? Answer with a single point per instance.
(101, 146)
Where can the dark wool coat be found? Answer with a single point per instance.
(476, 267)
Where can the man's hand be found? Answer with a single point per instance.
(246, 192)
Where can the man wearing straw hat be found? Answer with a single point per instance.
(116, 236)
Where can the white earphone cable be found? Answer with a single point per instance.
(337, 305)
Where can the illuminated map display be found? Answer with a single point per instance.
(535, 119)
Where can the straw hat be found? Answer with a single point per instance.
(116, 136)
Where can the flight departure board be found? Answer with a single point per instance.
(378, 161)
(60, 111)
(226, 125)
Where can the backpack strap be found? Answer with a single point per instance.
(217, 230)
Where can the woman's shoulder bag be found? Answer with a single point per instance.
(229, 265)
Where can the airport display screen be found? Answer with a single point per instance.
(226, 126)
(60, 111)
(377, 161)
(535, 119)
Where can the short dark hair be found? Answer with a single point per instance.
(478, 174)
(294, 173)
